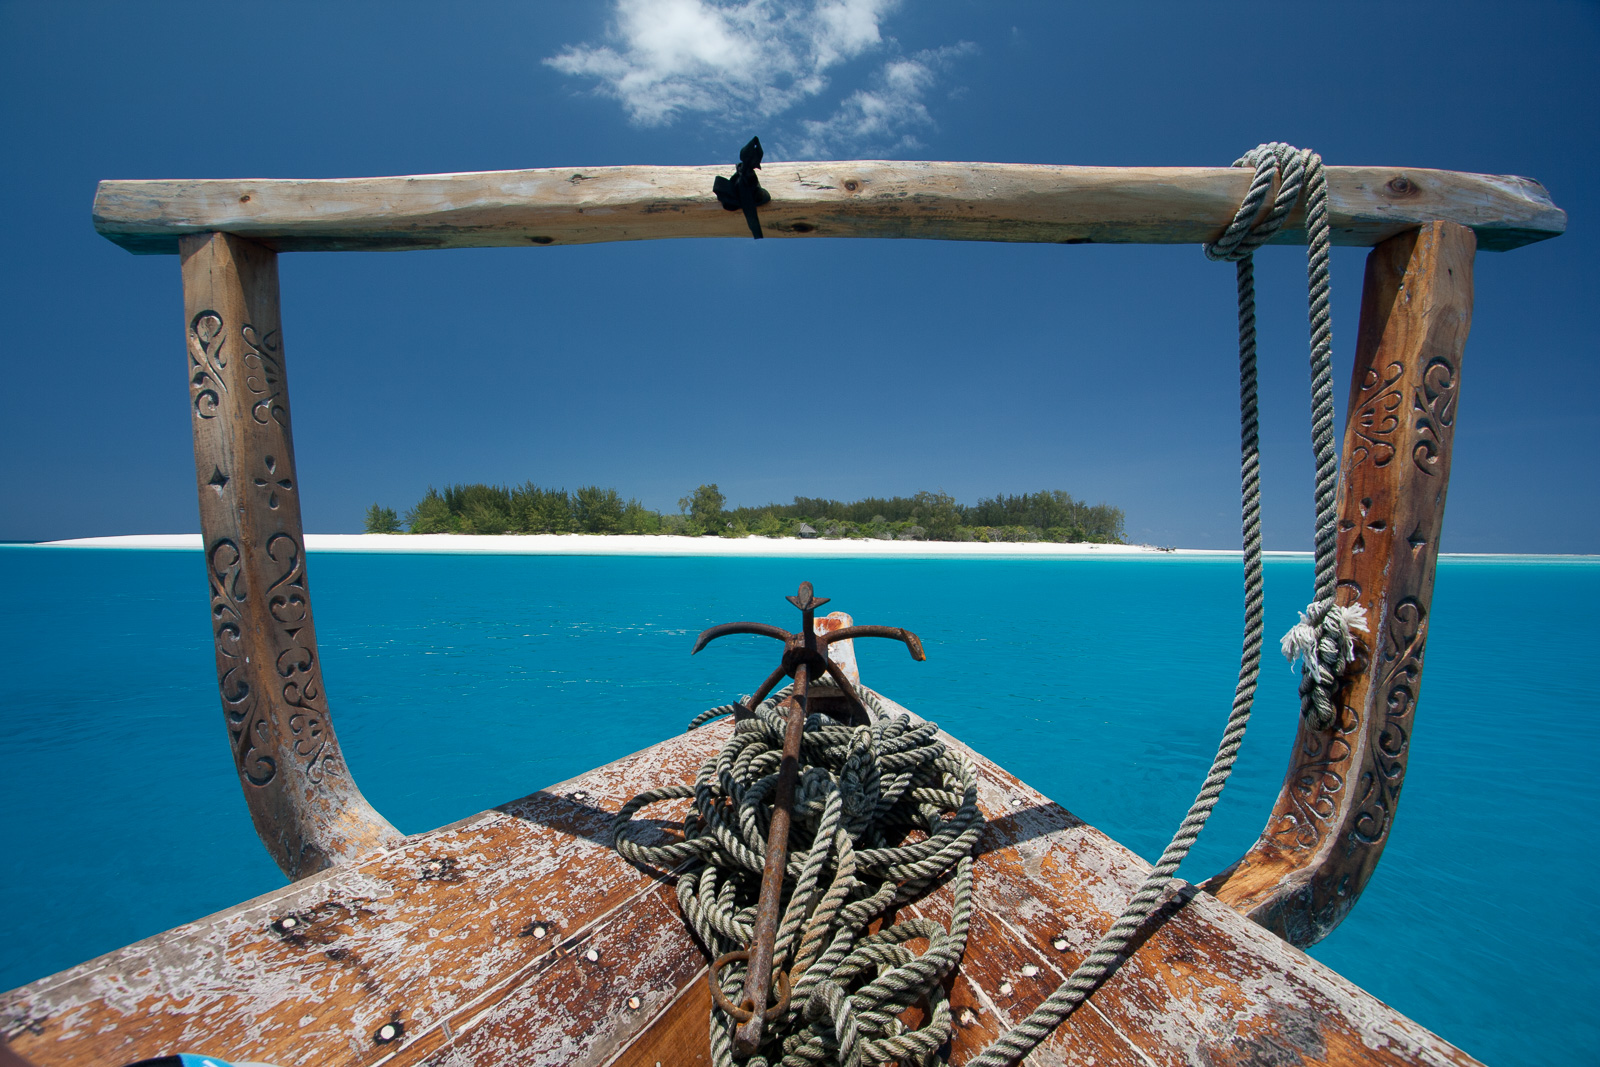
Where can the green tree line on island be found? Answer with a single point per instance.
(1051, 515)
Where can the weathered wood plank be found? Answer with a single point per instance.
(432, 934)
(1332, 817)
(1001, 978)
(302, 799)
(948, 201)
(676, 1036)
(595, 999)
(447, 952)
(1200, 989)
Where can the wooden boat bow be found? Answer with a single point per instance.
(476, 941)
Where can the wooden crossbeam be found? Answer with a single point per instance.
(943, 201)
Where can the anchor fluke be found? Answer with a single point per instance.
(893, 633)
(760, 629)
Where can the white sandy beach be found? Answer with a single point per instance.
(640, 545)
(818, 548)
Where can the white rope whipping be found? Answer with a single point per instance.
(1324, 621)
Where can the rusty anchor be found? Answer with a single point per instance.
(805, 659)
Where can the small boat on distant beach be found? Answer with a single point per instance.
(566, 927)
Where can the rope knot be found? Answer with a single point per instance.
(1274, 163)
(1324, 642)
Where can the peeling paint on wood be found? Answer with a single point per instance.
(447, 954)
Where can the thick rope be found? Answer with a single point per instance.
(1242, 237)
(724, 835)
(712, 713)
(1323, 639)
(860, 789)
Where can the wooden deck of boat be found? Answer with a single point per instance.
(519, 937)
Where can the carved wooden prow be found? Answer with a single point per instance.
(302, 799)
(1334, 814)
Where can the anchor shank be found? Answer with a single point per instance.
(758, 981)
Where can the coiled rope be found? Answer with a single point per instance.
(863, 787)
(860, 789)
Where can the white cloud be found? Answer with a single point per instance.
(877, 119)
(755, 58)
(737, 60)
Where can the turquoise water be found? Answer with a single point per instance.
(459, 682)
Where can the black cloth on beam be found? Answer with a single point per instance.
(743, 191)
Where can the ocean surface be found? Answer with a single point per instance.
(460, 682)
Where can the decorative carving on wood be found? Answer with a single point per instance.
(1435, 408)
(247, 725)
(1313, 792)
(206, 361)
(1338, 802)
(264, 377)
(1401, 667)
(1370, 431)
(305, 806)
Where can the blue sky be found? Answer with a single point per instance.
(652, 367)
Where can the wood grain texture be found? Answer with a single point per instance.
(1332, 818)
(948, 201)
(441, 938)
(304, 803)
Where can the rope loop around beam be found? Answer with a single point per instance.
(1276, 164)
